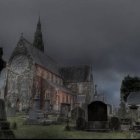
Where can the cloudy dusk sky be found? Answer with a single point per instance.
(104, 33)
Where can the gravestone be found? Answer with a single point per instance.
(64, 111)
(77, 112)
(11, 111)
(126, 124)
(65, 108)
(80, 123)
(5, 132)
(2, 62)
(47, 106)
(97, 116)
(97, 111)
(35, 113)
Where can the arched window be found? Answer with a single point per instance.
(67, 98)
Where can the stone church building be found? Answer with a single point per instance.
(31, 72)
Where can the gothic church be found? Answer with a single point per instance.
(31, 72)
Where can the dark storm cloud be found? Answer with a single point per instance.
(104, 33)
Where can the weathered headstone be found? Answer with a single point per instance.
(77, 112)
(97, 116)
(97, 111)
(64, 111)
(11, 111)
(80, 123)
(5, 131)
(35, 114)
(47, 106)
(65, 108)
(2, 62)
(126, 124)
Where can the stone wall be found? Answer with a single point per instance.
(19, 85)
(82, 88)
(49, 86)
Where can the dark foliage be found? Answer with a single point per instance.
(114, 123)
(129, 84)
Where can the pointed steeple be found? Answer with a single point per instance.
(38, 39)
(96, 90)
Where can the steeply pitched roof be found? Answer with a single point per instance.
(76, 73)
(38, 56)
(38, 39)
(133, 98)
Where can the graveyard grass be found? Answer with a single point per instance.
(58, 132)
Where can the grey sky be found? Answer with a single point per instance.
(105, 33)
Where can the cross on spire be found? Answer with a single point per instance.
(95, 89)
(38, 39)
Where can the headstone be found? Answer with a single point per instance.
(65, 108)
(77, 112)
(47, 106)
(11, 111)
(97, 116)
(2, 110)
(5, 132)
(2, 62)
(80, 123)
(64, 111)
(35, 114)
(97, 111)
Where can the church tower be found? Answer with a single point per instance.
(38, 39)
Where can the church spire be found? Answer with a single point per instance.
(38, 40)
(96, 90)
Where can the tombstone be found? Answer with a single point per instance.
(5, 131)
(134, 113)
(2, 62)
(77, 112)
(11, 111)
(64, 111)
(80, 123)
(47, 106)
(65, 108)
(97, 116)
(35, 114)
(97, 111)
(126, 124)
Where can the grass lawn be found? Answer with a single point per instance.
(58, 132)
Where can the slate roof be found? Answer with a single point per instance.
(76, 73)
(39, 57)
(133, 98)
